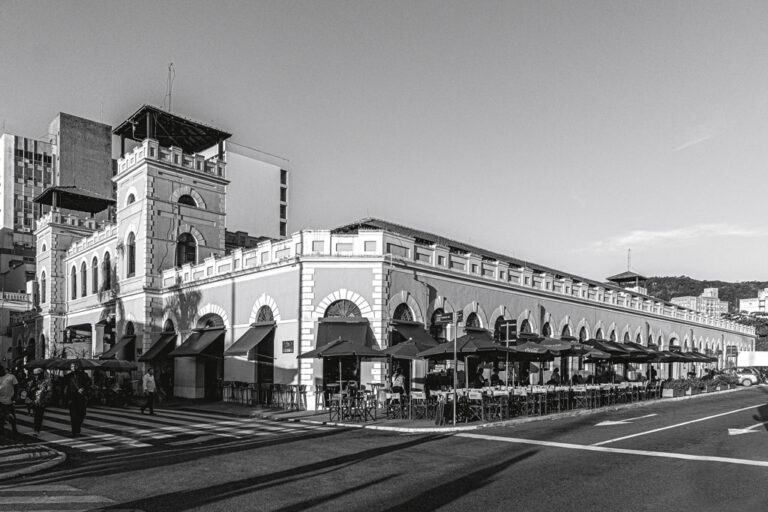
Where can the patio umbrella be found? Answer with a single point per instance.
(41, 363)
(343, 348)
(118, 365)
(474, 343)
(409, 350)
(84, 364)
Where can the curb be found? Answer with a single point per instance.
(34, 468)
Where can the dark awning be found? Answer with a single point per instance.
(246, 344)
(198, 341)
(161, 347)
(120, 347)
(74, 198)
(353, 329)
(415, 331)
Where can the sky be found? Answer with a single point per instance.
(557, 132)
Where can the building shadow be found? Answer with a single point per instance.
(436, 497)
(762, 411)
(187, 499)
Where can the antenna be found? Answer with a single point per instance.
(629, 260)
(169, 85)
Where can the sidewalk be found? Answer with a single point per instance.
(403, 426)
(26, 458)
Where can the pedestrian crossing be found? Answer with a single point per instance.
(109, 429)
(49, 497)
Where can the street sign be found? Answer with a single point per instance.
(510, 329)
(445, 318)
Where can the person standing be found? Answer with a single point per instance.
(39, 393)
(8, 383)
(150, 388)
(78, 389)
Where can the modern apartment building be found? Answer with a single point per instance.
(708, 302)
(755, 304)
(77, 152)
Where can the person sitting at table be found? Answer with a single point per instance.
(554, 379)
(495, 379)
(479, 381)
(398, 382)
(576, 379)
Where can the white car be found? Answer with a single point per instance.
(747, 376)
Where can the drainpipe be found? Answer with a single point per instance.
(298, 321)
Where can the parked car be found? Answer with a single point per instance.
(747, 376)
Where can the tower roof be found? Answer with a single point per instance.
(73, 198)
(626, 276)
(169, 130)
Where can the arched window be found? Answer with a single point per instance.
(83, 280)
(436, 329)
(73, 282)
(582, 334)
(639, 339)
(650, 339)
(500, 332)
(265, 314)
(42, 287)
(168, 326)
(343, 309)
(472, 320)
(612, 336)
(599, 334)
(627, 339)
(186, 249)
(94, 275)
(188, 200)
(525, 327)
(42, 346)
(546, 330)
(403, 312)
(130, 200)
(566, 331)
(44, 247)
(107, 272)
(129, 329)
(210, 320)
(130, 254)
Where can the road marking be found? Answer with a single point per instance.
(8, 500)
(677, 425)
(623, 422)
(748, 430)
(38, 488)
(604, 449)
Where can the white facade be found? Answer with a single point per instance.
(756, 304)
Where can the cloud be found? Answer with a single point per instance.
(650, 238)
(692, 143)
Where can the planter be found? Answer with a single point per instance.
(671, 393)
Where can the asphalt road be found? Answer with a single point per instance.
(672, 455)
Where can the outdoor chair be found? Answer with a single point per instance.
(519, 403)
(419, 405)
(335, 408)
(580, 399)
(498, 405)
(394, 405)
(475, 406)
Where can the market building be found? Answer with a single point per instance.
(158, 285)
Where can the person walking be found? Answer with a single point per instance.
(39, 393)
(8, 384)
(78, 388)
(148, 384)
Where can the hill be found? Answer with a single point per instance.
(681, 286)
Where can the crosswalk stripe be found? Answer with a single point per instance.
(107, 429)
(61, 422)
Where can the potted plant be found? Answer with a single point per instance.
(674, 387)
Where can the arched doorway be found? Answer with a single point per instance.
(212, 357)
